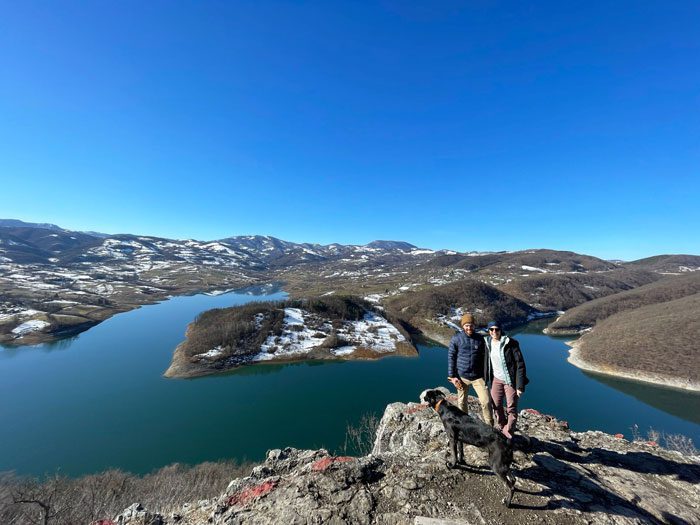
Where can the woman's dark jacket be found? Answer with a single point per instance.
(515, 364)
(465, 356)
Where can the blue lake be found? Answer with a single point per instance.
(99, 400)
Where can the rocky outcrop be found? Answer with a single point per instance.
(562, 477)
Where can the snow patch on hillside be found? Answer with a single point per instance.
(533, 269)
(372, 332)
(291, 341)
(30, 326)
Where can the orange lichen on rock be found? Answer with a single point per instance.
(246, 496)
(323, 464)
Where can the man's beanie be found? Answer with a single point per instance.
(466, 318)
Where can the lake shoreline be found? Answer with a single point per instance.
(64, 330)
(670, 383)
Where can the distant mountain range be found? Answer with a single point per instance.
(60, 281)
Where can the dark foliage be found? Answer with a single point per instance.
(234, 329)
(347, 308)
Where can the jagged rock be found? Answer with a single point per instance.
(562, 477)
(137, 515)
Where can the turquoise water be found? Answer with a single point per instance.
(99, 400)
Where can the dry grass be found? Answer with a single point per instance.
(587, 315)
(665, 263)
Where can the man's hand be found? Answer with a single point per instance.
(519, 392)
(457, 382)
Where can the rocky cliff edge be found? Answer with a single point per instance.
(562, 477)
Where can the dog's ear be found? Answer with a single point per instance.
(422, 398)
(432, 397)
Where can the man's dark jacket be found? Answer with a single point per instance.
(466, 356)
(515, 364)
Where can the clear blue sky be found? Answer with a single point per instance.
(477, 125)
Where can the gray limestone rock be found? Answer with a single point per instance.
(562, 477)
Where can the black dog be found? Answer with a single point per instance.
(462, 428)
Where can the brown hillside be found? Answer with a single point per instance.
(421, 309)
(678, 263)
(588, 314)
(563, 291)
(659, 340)
(551, 260)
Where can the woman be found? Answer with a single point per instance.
(505, 371)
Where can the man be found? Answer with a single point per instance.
(465, 366)
(505, 370)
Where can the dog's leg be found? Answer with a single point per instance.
(502, 470)
(509, 481)
(460, 453)
(453, 448)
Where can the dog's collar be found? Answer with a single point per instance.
(437, 406)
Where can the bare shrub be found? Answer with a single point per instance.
(680, 443)
(674, 442)
(653, 435)
(359, 439)
(334, 340)
(59, 500)
(636, 436)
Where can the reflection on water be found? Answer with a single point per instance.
(107, 404)
(268, 368)
(59, 344)
(685, 405)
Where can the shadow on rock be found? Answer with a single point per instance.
(636, 461)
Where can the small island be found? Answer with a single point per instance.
(320, 328)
